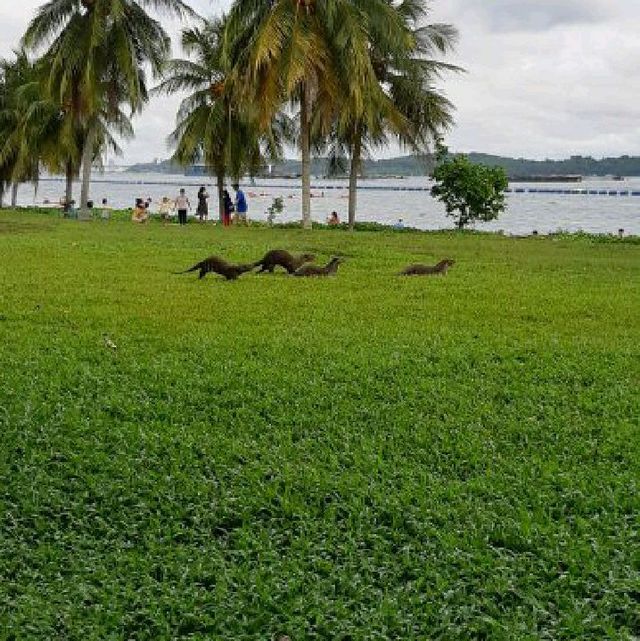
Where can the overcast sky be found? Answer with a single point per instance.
(545, 78)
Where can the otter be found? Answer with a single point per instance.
(218, 266)
(423, 270)
(314, 270)
(283, 258)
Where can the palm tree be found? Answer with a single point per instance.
(211, 126)
(15, 167)
(41, 132)
(318, 55)
(281, 51)
(411, 108)
(7, 123)
(97, 50)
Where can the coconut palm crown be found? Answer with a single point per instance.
(415, 113)
(354, 68)
(288, 50)
(212, 126)
(97, 50)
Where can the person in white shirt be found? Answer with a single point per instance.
(182, 204)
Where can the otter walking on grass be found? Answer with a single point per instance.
(314, 270)
(424, 270)
(218, 266)
(282, 258)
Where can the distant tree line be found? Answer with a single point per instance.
(575, 165)
(421, 166)
(514, 167)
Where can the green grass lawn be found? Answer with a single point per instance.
(357, 458)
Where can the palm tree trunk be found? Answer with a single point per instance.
(68, 192)
(14, 194)
(356, 152)
(305, 147)
(220, 185)
(87, 162)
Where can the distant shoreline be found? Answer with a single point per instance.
(412, 166)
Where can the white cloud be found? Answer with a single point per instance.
(544, 78)
(566, 88)
(536, 15)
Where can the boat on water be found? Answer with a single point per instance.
(557, 178)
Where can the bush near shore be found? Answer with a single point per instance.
(361, 457)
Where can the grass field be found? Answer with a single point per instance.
(357, 458)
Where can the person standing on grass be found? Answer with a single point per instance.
(203, 207)
(183, 205)
(165, 209)
(105, 210)
(241, 204)
(227, 204)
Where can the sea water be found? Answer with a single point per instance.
(383, 200)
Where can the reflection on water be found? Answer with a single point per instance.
(526, 211)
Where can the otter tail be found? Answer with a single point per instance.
(191, 269)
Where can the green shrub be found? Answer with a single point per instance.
(470, 192)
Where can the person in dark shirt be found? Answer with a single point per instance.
(203, 207)
(227, 208)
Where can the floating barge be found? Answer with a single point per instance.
(569, 178)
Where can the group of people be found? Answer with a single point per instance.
(232, 208)
(239, 207)
(235, 209)
(182, 205)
